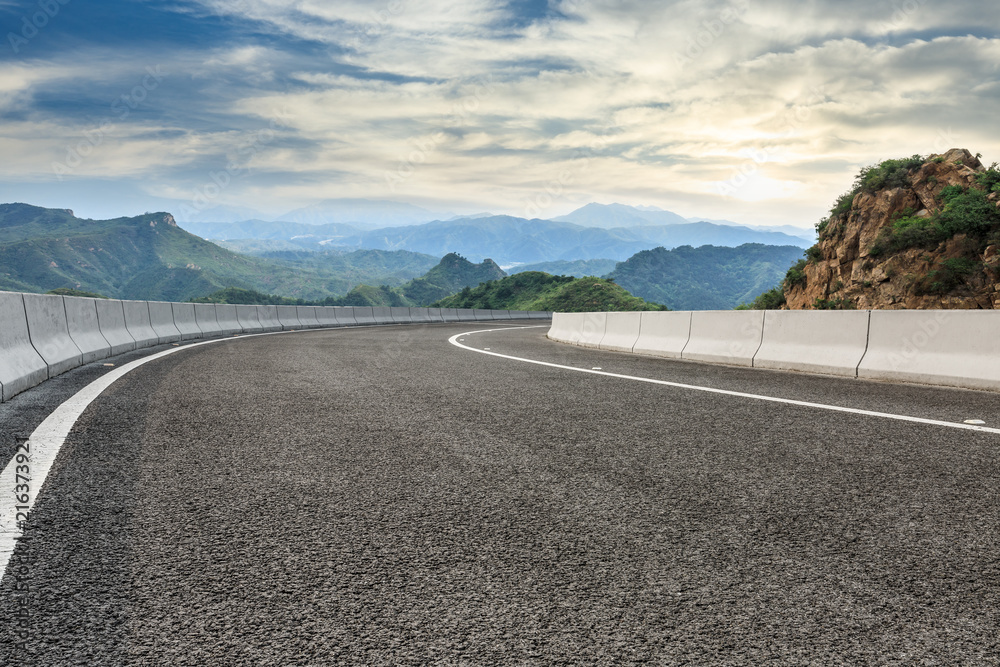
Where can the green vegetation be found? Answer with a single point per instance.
(709, 277)
(772, 299)
(578, 268)
(247, 297)
(833, 304)
(947, 275)
(871, 179)
(534, 290)
(964, 211)
(66, 291)
(149, 257)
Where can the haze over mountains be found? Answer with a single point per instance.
(594, 231)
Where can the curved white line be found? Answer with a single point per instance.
(757, 397)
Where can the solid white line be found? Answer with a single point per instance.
(725, 392)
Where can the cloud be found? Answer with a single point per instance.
(759, 112)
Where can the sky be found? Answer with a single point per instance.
(755, 111)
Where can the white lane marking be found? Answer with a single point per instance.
(725, 392)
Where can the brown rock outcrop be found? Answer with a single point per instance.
(843, 272)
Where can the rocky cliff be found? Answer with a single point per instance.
(912, 233)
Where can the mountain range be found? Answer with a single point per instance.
(507, 240)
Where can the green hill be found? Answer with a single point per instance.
(150, 257)
(576, 268)
(705, 278)
(451, 274)
(533, 290)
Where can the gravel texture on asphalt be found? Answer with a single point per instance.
(379, 496)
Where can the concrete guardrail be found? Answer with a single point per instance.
(956, 348)
(43, 335)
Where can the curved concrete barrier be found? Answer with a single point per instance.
(663, 334)
(382, 315)
(954, 348)
(289, 318)
(21, 367)
(207, 318)
(519, 315)
(85, 329)
(501, 315)
(326, 317)
(227, 319)
(186, 321)
(539, 315)
(435, 315)
(364, 315)
(814, 341)
(420, 315)
(246, 317)
(49, 332)
(567, 327)
(450, 315)
(621, 331)
(151, 322)
(466, 315)
(400, 315)
(308, 317)
(268, 318)
(343, 315)
(111, 319)
(725, 336)
(483, 315)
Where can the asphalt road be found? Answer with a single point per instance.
(379, 496)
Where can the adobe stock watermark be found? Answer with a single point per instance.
(121, 109)
(910, 347)
(381, 19)
(423, 148)
(33, 23)
(556, 189)
(710, 31)
(901, 11)
(791, 122)
(237, 167)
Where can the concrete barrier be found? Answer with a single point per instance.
(84, 328)
(186, 321)
(954, 348)
(344, 316)
(400, 315)
(268, 318)
(21, 367)
(501, 315)
(450, 315)
(364, 315)
(308, 317)
(663, 334)
(151, 322)
(814, 341)
(466, 315)
(207, 317)
(382, 315)
(539, 315)
(289, 318)
(567, 327)
(227, 318)
(246, 317)
(420, 315)
(725, 336)
(111, 319)
(483, 315)
(518, 314)
(49, 332)
(326, 317)
(621, 332)
(435, 315)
